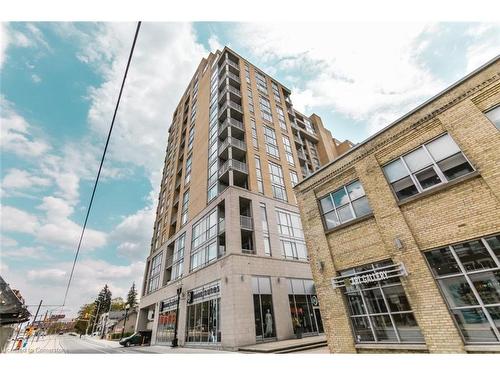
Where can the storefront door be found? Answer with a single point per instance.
(263, 309)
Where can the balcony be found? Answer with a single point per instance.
(237, 127)
(240, 171)
(229, 62)
(246, 223)
(231, 76)
(301, 155)
(239, 148)
(169, 261)
(230, 89)
(222, 226)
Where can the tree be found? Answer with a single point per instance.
(84, 317)
(117, 304)
(132, 296)
(101, 305)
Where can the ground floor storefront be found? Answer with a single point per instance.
(234, 310)
(391, 306)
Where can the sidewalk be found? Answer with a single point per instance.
(108, 343)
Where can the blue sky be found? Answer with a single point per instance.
(59, 83)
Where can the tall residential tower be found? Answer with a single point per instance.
(228, 235)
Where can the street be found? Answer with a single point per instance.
(57, 344)
(67, 344)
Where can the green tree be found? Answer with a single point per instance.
(84, 317)
(132, 296)
(117, 304)
(101, 305)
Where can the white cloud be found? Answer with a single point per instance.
(25, 253)
(214, 44)
(133, 234)
(4, 42)
(36, 78)
(373, 70)
(16, 220)
(485, 47)
(47, 275)
(60, 230)
(20, 179)
(16, 134)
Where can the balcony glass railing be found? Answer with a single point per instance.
(233, 123)
(246, 222)
(234, 165)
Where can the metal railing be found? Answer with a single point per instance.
(222, 225)
(246, 222)
(169, 261)
(233, 164)
(231, 122)
(234, 143)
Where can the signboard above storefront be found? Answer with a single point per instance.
(209, 291)
(369, 276)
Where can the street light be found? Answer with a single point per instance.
(127, 306)
(174, 343)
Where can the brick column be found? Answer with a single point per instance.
(432, 314)
(334, 311)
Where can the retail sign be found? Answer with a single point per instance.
(314, 300)
(168, 304)
(205, 292)
(370, 276)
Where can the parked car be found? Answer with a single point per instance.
(138, 338)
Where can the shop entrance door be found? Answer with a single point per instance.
(319, 322)
(264, 317)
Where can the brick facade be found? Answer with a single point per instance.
(460, 210)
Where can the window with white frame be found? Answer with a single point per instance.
(154, 273)
(265, 109)
(250, 100)
(178, 257)
(189, 163)
(185, 205)
(291, 235)
(261, 82)
(294, 178)
(494, 116)
(265, 230)
(468, 275)
(379, 310)
(277, 181)
(281, 118)
(309, 126)
(343, 205)
(434, 163)
(258, 172)
(276, 93)
(271, 142)
(204, 241)
(288, 150)
(255, 140)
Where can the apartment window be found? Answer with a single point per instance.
(204, 242)
(255, 140)
(258, 171)
(294, 178)
(212, 173)
(265, 109)
(432, 164)
(271, 143)
(247, 73)
(288, 150)
(291, 235)
(345, 204)
(309, 126)
(190, 138)
(265, 230)
(379, 310)
(250, 100)
(281, 118)
(185, 204)
(277, 182)
(189, 163)
(468, 275)
(154, 273)
(494, 116)
(178, 257)
(276, 93)
(261, 82)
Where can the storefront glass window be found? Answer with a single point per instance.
(379, 310)
(471, 287)
(265, 327)
(304, 309)
(203, 315)
(166, 321)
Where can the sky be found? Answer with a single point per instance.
(59, 83)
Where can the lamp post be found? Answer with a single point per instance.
(127, 306)
(174, 343)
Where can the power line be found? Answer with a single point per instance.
(102, 161)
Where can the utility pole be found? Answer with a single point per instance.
(96, 316)
(36, 315)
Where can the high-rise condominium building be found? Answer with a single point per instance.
(227, 235)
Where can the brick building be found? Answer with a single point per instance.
(403, 230)
(227, 232)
